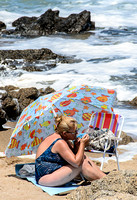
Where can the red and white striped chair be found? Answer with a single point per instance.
(113, 122)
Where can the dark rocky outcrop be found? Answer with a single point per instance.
(34, 55)
(32, 60)
(24, 21)
(2, 25)
(11, 107)
(14, 100)
(117, 185)
(2, 118)
(50, 23)
(24, 97)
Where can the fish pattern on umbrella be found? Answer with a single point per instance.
(37, 119)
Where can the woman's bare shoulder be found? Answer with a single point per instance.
(60, 145)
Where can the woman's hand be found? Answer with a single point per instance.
(75, 157)
(85, 139)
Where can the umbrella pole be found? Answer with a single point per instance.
(53, 111)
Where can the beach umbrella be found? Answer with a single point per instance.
(37, 119)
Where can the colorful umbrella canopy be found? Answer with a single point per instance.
(37, 119)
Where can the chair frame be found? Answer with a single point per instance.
(116, 139)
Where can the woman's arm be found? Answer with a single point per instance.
(76, 145)
(63, 149)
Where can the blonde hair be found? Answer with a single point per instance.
(64, 123)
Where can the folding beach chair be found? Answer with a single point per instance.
(110, 121)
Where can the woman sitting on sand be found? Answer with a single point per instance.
(57, 162)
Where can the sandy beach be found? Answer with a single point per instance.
(14, 188)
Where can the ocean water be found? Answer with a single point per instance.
(109, 53)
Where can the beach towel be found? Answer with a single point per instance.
(27, 171)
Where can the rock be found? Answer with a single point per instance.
(14, 94)
(31, 55)
(3, 119)
(28, 54)
(31, 60)
(44, 91)
(32, 68)
(31, 93)
(2, 25)
(10, 87)
(27, 96)
(74, 23)
(11, 107)
(13, 100)
(125, 139)
(50, 23)
(3, 93)
(24, 20)
(133, 102)
(104, 195)
(116, 185)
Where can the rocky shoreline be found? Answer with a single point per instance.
(12, 99)
(46, 24)
(31, 60)
(33, 55)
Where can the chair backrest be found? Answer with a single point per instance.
(110, 121)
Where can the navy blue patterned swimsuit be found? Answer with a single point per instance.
(48, 162)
